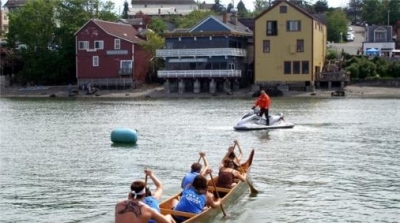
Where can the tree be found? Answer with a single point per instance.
(126, 10)
(372, 12)
(394, 11)
(153, 42)
(355, 6)
(192, 19)
(259, 6)
(230, 7)
(321, 6)
(217, 7)
(336, 24)
(242, 11)
(40, 62)
(157, 25)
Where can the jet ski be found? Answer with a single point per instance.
(252, 121)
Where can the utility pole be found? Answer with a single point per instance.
(388, 18)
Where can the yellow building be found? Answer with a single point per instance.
(289, 46)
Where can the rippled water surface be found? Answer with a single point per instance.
(340, 163)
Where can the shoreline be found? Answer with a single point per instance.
(156, 92)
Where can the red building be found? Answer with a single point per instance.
(109, 55)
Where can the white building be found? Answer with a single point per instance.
(379, 37)
(162, 7)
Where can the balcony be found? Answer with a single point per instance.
(125, 71)
(199, 73)
(201, 52)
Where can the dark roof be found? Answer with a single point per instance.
(205, 5)
(166, 2)
(248, 22)
(119, 30)
(134, 22)
(278, 2)
(15, 3)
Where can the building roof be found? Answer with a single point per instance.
(205, 6)
(134, 21)
(119, 30)
(15, 3)
(278, 2)
(162, 2)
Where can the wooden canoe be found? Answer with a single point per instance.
(229, 199)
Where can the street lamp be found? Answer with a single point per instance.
(388, 17)
(341, 37)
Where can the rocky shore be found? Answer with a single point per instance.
(157, 92)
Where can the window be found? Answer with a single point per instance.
(117, 44)
(287, 67)
(283, 9)
(296, 67)
(95, 61)
(266, 46)
(293, 25)
(231, 66)
(126, 67)
(305, 67)
(272, 28)
(300, 45)
(380, 36)
(83, 45)
(99, 44)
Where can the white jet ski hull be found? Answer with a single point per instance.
(251, 121)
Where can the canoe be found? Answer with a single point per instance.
(230, 198)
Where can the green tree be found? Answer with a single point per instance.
(34, 25)
(157, 25)
(372, 12)
(242, 11)
(154, 42)
(336, 24)
(355, 7)
(126, 10)
(217, 7)
(192, 19)
(260, 6)
(321, 6)
(230, 7)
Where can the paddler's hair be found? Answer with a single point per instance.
(228, 163)
(196, 167)
(200, 184)
(138, 189)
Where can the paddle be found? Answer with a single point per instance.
(253, 190)
(216, 192)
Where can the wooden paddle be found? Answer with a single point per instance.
(253, 190)
(216, 192)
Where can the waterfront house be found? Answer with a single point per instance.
(109, 55)
(380, 38)
(289, 47)
(211, 56)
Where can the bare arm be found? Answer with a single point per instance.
(239, 176)
(159, 186)
(240, 156)
(211, 202)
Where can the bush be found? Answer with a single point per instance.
(332, 54)
(354, 70)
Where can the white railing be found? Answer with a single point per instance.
(201, 52)
(198, 73)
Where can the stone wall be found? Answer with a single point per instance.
(378, 82)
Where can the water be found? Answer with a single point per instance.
(340, 163)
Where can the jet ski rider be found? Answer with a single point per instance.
(263, 102)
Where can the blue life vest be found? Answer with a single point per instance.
(188, 179)
(191, 201)
(153, 203)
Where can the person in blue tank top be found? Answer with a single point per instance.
(194, 198)
(152, 199)
(195, 170)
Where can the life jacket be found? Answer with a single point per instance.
(263, 101)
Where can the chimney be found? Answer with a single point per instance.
(224, 17)
(233, 17)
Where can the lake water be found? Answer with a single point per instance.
(340, 163)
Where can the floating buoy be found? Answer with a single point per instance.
(124, 135)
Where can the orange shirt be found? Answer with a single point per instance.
(263, 101)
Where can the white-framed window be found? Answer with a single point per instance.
(293, 25)
(380, 35)
(117, 44)
(83, 45)
(95, 61)
(231, 66)
(99, 44)
(126, 67)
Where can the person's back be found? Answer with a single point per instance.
(225, 178)
(129, 211)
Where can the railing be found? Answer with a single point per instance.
(333, 76)
(198, 73)
(201, 52)
(125, 71)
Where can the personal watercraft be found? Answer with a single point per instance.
(252, 121)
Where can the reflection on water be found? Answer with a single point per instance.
(338, 164)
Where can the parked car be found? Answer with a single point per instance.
(350, 37)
